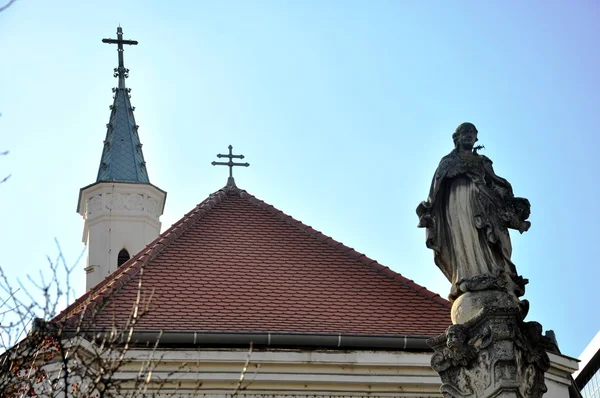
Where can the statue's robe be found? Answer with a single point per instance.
(466, 216)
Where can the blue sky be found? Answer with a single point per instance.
(342, 108)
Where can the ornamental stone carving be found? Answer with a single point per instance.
(95, 204)
(152, 206)
(114, 201)
(122, 201)
(134, 202)
(493, 352)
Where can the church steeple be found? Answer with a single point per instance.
(121, 209)
(122, 157)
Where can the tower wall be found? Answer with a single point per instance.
(117, 216)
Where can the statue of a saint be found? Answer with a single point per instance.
(467, 216)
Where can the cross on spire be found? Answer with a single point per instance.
(230, 163)
(120, 72)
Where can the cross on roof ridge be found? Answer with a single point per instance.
(230, 163)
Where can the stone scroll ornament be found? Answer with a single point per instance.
(489, 349)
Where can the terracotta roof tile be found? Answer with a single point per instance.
(235, 263)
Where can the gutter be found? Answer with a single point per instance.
(265, 339)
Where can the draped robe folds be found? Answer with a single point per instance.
(467, 214)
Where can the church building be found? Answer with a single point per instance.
(240, 298)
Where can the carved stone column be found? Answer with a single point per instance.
(490, 351)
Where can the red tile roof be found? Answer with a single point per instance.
(237, 264)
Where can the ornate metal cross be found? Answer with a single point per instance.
(231, 163)
(121, 72)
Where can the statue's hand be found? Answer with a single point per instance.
(524, 227)
(425, 221)
(423, 211)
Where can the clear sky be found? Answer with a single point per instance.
(342, 108)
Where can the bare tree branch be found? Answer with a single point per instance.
(5, 152)
(4, 7)
(77, 356)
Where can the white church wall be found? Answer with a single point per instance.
(273, 373)
(216, 373)
(279, 373)
(117, 216)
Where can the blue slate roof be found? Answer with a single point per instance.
(122, 158)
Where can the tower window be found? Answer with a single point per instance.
(122, 258)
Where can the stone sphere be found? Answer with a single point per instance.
(470, 304)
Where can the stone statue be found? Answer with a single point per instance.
(467, 216)
(489, 351)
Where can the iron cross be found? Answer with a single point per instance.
(121, 72)
(230, 163)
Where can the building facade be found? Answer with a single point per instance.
(239, 298)
(587, 377)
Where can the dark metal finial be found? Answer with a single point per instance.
(121, 72)
(230, 163)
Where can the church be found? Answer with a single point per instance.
(240, 298)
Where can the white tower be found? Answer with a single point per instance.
(121, 209)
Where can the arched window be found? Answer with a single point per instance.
(122, 258)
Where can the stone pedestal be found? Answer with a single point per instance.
(491, 352)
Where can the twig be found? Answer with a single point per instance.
(4, 7)
(243, 373)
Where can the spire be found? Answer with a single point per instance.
(122, 158)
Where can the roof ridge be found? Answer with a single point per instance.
(145, 256)
(361, 257)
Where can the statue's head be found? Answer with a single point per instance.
(466, 134)
(456, 336)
